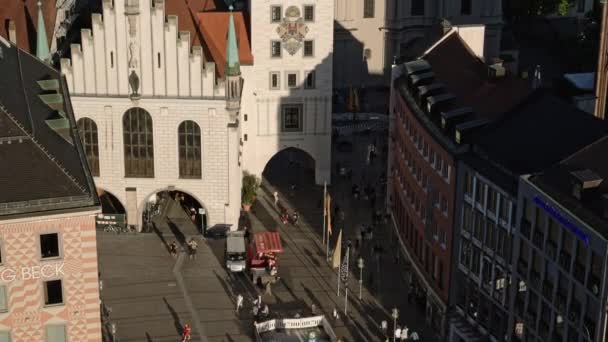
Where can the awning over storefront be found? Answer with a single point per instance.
(268, 242)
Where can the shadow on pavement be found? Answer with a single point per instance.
(176, 321)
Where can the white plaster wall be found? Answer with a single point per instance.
(262, 105)
(214, 190)
(181, 72)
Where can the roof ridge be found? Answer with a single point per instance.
(581, 150)
(41, 148)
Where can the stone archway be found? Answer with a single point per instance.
(289, 167)
(191, 204)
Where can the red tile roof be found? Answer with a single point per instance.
(214, 29)
(466, 76)
(25, 15)
(186, 11)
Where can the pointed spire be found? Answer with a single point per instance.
(42, 47)
(232, 50)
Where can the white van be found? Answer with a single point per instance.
(236, 256)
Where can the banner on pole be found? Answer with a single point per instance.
(344, 271)
(328, 216)
(325, 199)
(336, 259)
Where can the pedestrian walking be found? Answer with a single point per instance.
(398, 333)
(384, 327)
(335, 314)
(173, 249)
(193, 214)
(239, 302)
(186, 333)
(276, 199)
(256, 312)
(294, 218)
(192, 245)
(313, 309)
(265, 311)
(404, 333)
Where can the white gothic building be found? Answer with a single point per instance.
(176, 95)
(153, 114)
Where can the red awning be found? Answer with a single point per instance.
(268, 242)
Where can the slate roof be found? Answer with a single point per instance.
(466, 76)
(24, 14)
(40, 169)
(538, 133)
(557, 182)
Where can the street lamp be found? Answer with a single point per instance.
(360, 265)
(395, 315)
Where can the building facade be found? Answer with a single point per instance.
(484, 228)
(156, 113)
(369, 34)
(49, 288)
(287, 96)
(559, 290)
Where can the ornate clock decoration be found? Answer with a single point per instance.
(292, 30)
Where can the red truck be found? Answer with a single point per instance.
(262, 257)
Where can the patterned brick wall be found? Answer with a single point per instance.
(27, 316)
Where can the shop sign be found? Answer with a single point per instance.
(8, 275)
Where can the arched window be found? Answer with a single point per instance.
(88, 135)
(138, 141)
(189, 150)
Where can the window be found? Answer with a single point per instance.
(368, 8)
(88, 136)
(444, 205)
(310, 80)
(112, 59)
(53, 292)
(138, 143)
(292, 80)
(292, 118)
(480, 192)
(468, 184)
(49, 245)
(309, 13)
(418, 7)
(189, 135)
(275, 49)
(492, 199)
(308, 48)
(275, 14)
(55, 333)
(3, 301)
(275, 80)
(465, 7)
(158, 59)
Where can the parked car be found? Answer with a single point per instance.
(219, 231)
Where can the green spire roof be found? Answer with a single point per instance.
(232, 50)
(42, 47)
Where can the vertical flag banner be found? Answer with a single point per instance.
(336, 259)
(328, 216)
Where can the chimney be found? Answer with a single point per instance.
(12, 32)
(583, 182)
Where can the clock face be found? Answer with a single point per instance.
(292, 30)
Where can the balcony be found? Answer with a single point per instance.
(525, 228)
